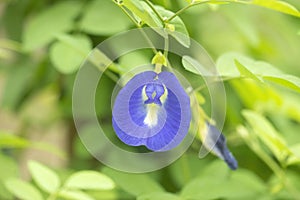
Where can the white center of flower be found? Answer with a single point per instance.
(152, 109)
(151, 117)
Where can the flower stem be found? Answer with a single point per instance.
(166, 47)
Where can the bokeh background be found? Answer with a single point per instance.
(43, 43)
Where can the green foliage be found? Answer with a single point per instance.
(8, 170)
(22, 189)
(280, 6)
(14, 90)
(234, 65)
(44, 43)
(266, 132)
(47, 24)
(89, 180)
(44, 177)
(141, 11)
(69, 52)
(181, 34)
(135, 184)
(246, 184)
(74, 194)
(97, 18)
(159, 196)
(74, 187)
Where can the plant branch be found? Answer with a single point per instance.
(130, 17)
(202, 2)
(155, 11)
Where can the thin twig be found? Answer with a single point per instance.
(155, 11)
(202, 2)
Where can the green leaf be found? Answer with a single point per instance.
(159, 196)
(16, 85)
(135, 184)
(216, 183)
(69, 52)
(227, 67)
(104, 18)
(134, 59)
(7, 170)
(43, 27)
(142, 11)
(22, 189)
(245, 72)
(74, 195)
(8, 140)
(280, 6)
(145, 13)
(295, 158)
(192, 65)
(44, 177)
(89, 180)
(176, 27)
(267, 133)
(187, 167)
(286, 80)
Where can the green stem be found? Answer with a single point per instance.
(276, 169)
(271, 164)
(157, 68)
(149, 41)
(138, 25)
(185, 169)
(130, 17)
(202, 2)
(155, 11)
(166, 47)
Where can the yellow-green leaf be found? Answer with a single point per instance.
(44, 177)
(89, 180)
(22, 189)
(280, 6)
(268, 135)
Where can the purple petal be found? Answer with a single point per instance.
(170, 121)
(216, 141)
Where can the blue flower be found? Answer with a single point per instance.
(214, 140)
(152, 110)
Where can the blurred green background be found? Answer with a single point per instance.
(43, 43)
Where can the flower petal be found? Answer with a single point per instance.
(142, 115)
(216, 141)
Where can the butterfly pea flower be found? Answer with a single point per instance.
(153, 110)
(215, 141)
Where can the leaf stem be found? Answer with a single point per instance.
(202, 2)
(130, 17)
(155, 11)
(166, 47)
(139, 26)
(253, 144)
(185, 169)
